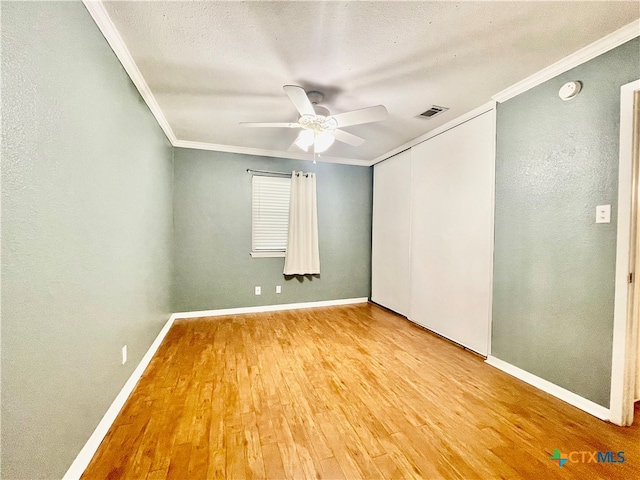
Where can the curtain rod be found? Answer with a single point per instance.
(267, 172)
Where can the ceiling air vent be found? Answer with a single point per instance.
(433, 111)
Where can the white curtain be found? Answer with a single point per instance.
(303, 255)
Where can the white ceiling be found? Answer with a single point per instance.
(210, 65)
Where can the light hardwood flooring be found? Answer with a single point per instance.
(349, 392)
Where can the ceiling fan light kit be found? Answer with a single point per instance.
(319, 127)
(305, 140)
(320, 141)
(323, 141)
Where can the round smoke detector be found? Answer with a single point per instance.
(569, 90)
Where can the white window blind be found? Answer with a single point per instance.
(270, 213)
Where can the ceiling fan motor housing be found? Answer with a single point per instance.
(315, 97)
(321, 111)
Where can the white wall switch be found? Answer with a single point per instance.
(603, 214)
(258, 291)
(278, 289)
(124, 354)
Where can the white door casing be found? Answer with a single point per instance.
(625, 334)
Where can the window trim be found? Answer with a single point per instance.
(268, 254)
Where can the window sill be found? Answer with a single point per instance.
(267, 254)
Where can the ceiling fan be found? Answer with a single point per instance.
(319, 128)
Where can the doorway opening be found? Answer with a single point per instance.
(625, 368)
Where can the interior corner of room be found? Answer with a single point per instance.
(485, 231)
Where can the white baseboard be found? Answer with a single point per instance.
(551, 388)
(81, 462)
(269, 308)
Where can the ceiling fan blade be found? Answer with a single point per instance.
(269, 125)
(348, 138)
(294, 148)
(299, 98)
(364, 115)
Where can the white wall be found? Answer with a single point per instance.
(390, 265)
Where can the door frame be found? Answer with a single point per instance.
(625, 326)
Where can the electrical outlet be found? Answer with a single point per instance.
(278, 289)
(258, 290)
(124, 354)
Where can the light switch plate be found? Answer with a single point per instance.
(603, 214)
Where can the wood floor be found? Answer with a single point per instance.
(348, 392)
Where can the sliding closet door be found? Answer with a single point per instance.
(452, 232)
(391, 234)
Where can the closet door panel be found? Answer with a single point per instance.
(390, 268)
(452, 232)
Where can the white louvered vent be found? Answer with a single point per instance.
(270, 213)
(433, 111)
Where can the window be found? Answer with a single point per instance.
(270, 215)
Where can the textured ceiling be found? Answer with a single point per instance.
(211, 65)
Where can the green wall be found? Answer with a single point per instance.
(212, 218)
(104, 234)
(86, 233)
(554, 266)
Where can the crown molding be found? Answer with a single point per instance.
(606, 43)
(267, 153)
(470, 115)
(110, 32)
(103, 21)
